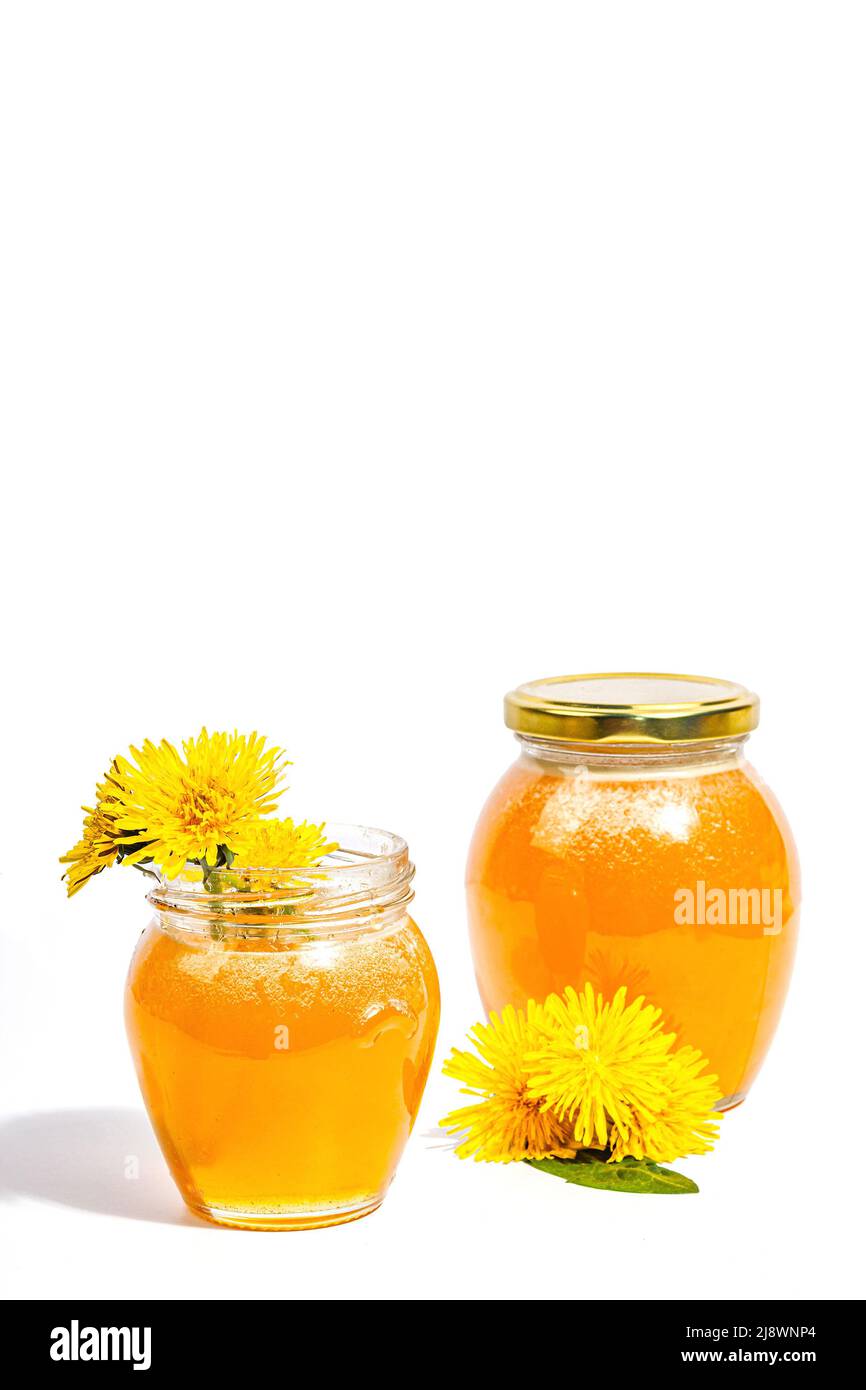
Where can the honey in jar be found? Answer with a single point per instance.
(282, 1025)
(632, 844)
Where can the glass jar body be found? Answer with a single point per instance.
(672, 873)
(282, 1071)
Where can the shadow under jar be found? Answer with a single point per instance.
(632, 844)
(282, 1026)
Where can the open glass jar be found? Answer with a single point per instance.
(632, 844)
(282, 1024)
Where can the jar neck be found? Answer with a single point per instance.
(277, 927)
(363, 885)
(281, 916)
(643, 759)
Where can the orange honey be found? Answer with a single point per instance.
(668, 870)
(282, 1070)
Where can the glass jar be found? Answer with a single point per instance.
(282, 1024)
(632, 844)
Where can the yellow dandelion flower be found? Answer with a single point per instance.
(181, 808)
(506, 1123)
(611, 1071)
(603, 1063)
(95, 851)
(281, 844)
(683, 1124)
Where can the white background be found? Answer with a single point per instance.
(360, 361)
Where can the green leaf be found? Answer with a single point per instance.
(590, 1168)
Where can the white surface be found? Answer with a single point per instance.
(360, 362)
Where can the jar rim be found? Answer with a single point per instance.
(365, 880)
(628, 707)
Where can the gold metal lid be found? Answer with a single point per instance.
(631, 707)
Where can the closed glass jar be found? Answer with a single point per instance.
(632, 844)
(282, 1024)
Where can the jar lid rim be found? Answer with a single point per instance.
(632, 707)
